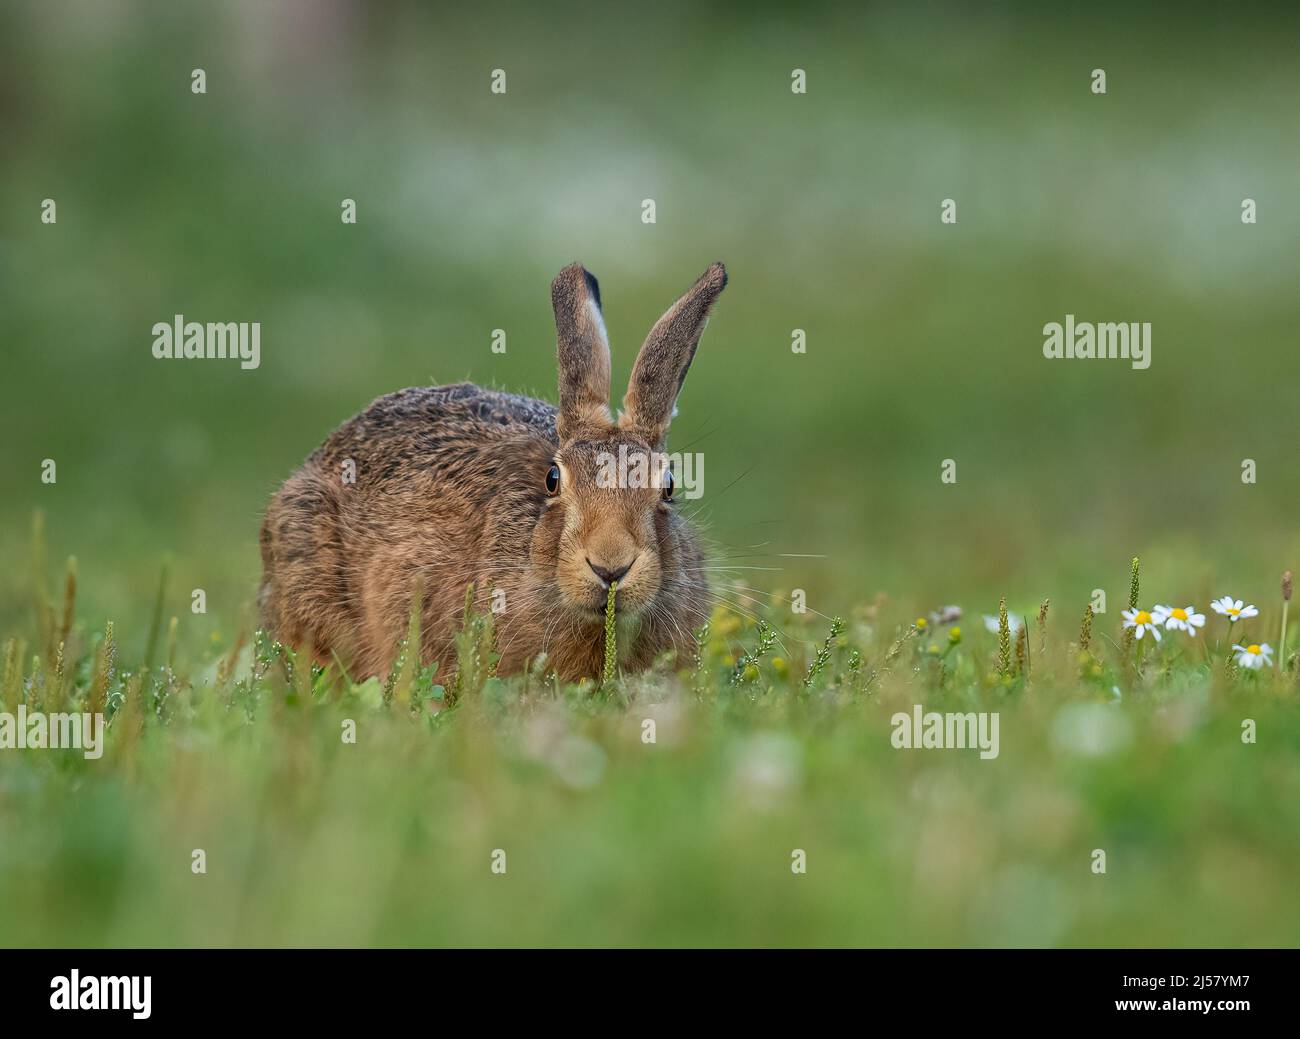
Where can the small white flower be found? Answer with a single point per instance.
(1179, 619)
(1013, 622)
(1141, 622)
(946, 615)
(1253, 656)
(1234, 609)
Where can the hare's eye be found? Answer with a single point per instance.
(553, 480)
(667, 484)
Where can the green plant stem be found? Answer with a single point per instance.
(1281, 642)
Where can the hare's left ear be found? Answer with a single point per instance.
(665, 357)
(582, 351)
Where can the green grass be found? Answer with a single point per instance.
(776, 737)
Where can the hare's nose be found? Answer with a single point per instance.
(609, 576)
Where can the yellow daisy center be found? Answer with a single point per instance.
(1178, 613)
(1253, 649)
(1233, 611)
(1142, 617)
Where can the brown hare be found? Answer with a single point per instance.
(440, 487)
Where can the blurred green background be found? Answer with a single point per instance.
(924, 340)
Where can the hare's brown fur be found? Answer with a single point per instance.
(449, 490)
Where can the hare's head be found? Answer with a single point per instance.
(609, 511)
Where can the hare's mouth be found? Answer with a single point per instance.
(594, 608)
(592, 605)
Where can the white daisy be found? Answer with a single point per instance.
(1234, 609)
(1253, 656)
(1142, 622)
(1179, 619)
(1013, 622)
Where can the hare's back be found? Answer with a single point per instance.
(433, 420)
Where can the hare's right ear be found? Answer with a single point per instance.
(582, 349)
(665, 356)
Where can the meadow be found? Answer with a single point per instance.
(824, 475)
(754, 795)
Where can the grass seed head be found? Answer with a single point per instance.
(1004, 639)
(611, 638)
(1133, 593)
